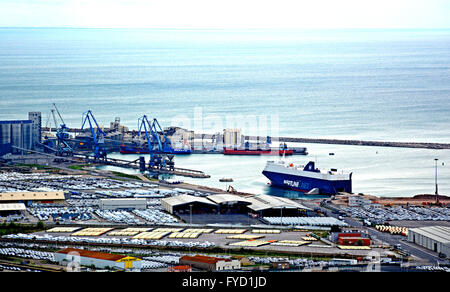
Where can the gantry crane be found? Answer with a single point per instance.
(63, 147)
(98, 135)
(160, 149)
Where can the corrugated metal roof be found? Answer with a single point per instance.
(264, 202)
(13, 207)
(30, 196)
(227, 198)
(437, 233)
(186, 199)
(95, 254)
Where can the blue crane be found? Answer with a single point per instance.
(63, 147)
(158, 149)
(97, 135)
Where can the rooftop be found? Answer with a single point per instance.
(438, 233)
(227, 198)
(186, 199)
(94, 254)
(204, 259)
(263, 202)
(19, 196)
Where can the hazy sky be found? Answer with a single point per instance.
(227, 13)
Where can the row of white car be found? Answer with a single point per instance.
(167, 259)
(379, 214)
(108, 240)
(118, 216)
(27, 253)
(148, 265)
(154, 215)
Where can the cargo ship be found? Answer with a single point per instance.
(133, 150)
(229, 151)
(307, 179)
(255, 150)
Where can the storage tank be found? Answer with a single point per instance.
(16, 136)
(27, 135)
(5, 133)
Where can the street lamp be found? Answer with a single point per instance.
(435, 177)
(190, 209)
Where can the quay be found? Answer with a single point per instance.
(359, 142)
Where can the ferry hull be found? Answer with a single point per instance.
(305, 184)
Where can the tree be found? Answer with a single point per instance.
(40, 225)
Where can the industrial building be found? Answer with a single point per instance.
(265, 205)
(350, 238)
(28, 197)
(16, 133)
(261, 205)
(180, 137)
(230, 204)
(210, 263)
(435, 238)
(25, 134)
(36, 127)
(184, 204)
(123, 204)
(11, 208)
(232, 137)
(97, 259)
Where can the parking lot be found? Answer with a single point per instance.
(379, 215)
(211, 239)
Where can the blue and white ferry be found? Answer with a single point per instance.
(307, 179)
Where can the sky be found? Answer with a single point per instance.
(232, 14)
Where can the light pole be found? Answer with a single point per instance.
(435, 178)
(281, 216)
(190, 209)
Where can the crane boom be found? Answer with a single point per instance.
(62, 120)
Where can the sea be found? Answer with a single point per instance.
(366, 84)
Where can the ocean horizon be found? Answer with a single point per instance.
(361, 84)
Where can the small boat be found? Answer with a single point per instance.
(226, 180)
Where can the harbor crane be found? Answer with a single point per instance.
(62, 147)
(158, 148)
(98, 135)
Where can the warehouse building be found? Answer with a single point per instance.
(28, 197)
(435, 238)
(123, 204)
(184, 204)
(210, 263)
(260, 205)
(230, 204)
(97, 259)
(11, 209)
(265, 205)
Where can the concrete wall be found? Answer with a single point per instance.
(232, 265)
(114, 204)
(428, 243)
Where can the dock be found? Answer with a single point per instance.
(87, 158)
(421, 145)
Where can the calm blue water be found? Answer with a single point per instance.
(354, 84)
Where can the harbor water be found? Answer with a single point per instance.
(382, 85)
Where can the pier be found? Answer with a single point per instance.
(88, 158)
(358, 142)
